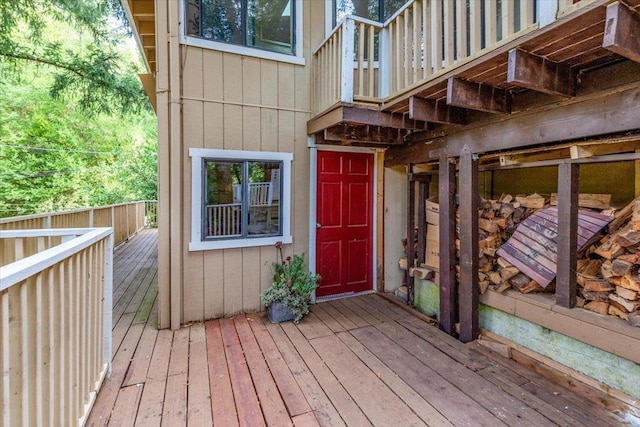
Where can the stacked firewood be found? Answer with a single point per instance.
(609, 273)
(497, 221)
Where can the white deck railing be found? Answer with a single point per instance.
(55, 323)
(366, 61)
(126, 219)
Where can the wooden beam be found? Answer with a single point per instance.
(148, 42)
(540, 74)
(622, 31)
(448, 283)
(428, 110)
(364, 134)
(469, 294)
(146, 28)
(363, 116)
(567, 239)
(611, 113)
(476, 96)
(143, 8)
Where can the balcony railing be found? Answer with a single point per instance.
(365, 61)
(55, 323)
(125, 218)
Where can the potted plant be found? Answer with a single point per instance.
(289, 295)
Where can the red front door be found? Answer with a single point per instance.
(344, 238)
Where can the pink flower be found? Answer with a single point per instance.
(278, 245)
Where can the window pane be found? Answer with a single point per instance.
(270, 25)
(264, 198)
(363, 8)
(219, 20)
(391, 7)
(223, 194)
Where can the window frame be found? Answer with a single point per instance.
(297, 58)
(198, 157)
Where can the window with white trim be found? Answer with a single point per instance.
(262, 24)
(239, 198)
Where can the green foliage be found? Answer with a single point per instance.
(78, 42)
(55, 157)
(292, 284)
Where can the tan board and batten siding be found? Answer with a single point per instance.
(231, 102)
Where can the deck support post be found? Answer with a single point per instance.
(411, 232)
(568, 184)
(448, 282)
(469, 295)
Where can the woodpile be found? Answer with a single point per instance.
(498, 220)
(609, 274)
(608, 271)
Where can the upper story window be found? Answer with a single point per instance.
(262, 24)
(375, 10)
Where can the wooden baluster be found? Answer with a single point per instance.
(427, 68)
(361, 37)
(526, 14)
(407, 48)
(370, 61)
(461, 30)
(475, 30)
(417, 54)
(508, 19)
(490, 27)
(436, 34)
(449, 36)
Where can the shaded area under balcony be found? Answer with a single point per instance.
(355, 361)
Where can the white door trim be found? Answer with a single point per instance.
(313, 196)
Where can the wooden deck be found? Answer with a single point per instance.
(356, 361)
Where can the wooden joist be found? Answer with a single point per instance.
(362, 116)
(622, 27)
(476, 96)
(540, 74)
(347, 134)
(429, 110)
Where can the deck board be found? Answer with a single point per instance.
(357, 361)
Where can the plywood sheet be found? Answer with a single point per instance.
(533, 246)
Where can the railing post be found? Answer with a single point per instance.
(547, 12)
(346, 78)
(384, 61)
(107, 304)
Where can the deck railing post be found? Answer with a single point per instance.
(546, 12)
(384, 61)
(107, 303)
(346, 78)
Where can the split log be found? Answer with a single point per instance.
(589, 267)
(508, 272)
(620, 267)
(597, 285)
(596, 296)
(600, 307)
(623, 215)
(534, 286)
(494, 277)
(503, 287)
(586, 200)
(520, 280)
(610, 250)
(615, 311)
(630, 306)
(628, 283)
(535, 201)
(422, 273)
(487, 225)
(627, 294)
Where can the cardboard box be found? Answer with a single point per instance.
(432, 210)
(432, 251)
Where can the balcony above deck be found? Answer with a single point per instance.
(500, 68)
